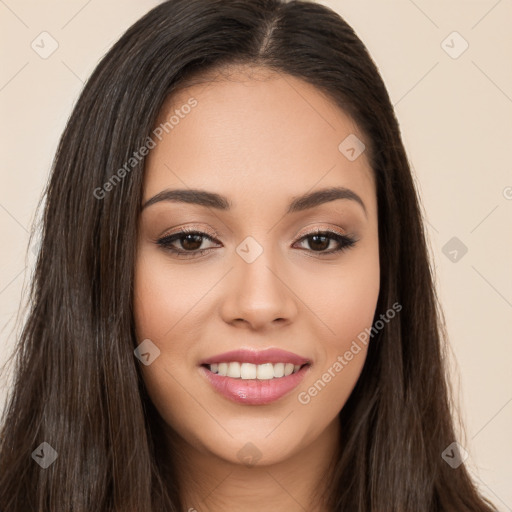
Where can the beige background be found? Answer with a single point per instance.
(456, 119)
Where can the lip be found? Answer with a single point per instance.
(254, 391)
(270, 355)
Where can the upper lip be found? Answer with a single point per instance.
(270, 355)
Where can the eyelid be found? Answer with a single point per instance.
(214, 235)
(345, 242)
(189, 229)
(314, 231)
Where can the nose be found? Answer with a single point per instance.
(258, 295)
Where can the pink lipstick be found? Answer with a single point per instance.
(255, 377)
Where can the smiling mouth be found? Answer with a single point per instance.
(250, 371)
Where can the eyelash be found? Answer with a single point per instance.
(345, 241)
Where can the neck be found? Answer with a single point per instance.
(212, 484)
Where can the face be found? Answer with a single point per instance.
(288, 288)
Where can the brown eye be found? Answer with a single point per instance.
(186, 243)
(191, 242)
(319, 241)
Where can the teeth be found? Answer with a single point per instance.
(234, 370)
(264, 371)
(223, 369)
(279, 370)
(248, 371)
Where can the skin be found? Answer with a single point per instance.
(260, 139)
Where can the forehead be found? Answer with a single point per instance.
(255, 132)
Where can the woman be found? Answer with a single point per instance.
(233, 305)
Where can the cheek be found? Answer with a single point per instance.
(166, 297)
(346, 309)
(164, 310)
(344, 297)
(338, 366)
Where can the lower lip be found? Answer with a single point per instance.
(254, 391)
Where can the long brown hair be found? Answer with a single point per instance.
(78, 386)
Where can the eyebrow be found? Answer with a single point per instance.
(219, 202)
